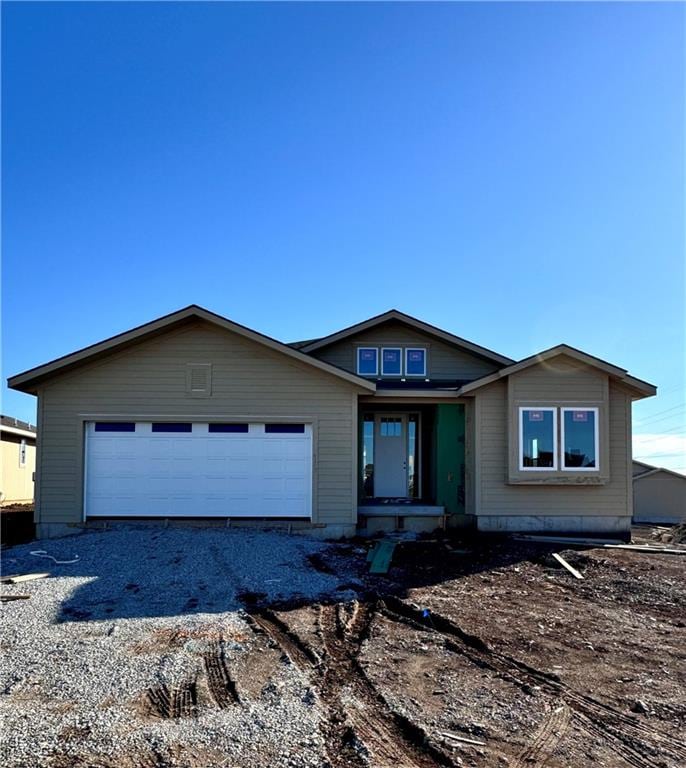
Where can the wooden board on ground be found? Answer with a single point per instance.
(19, 577)
(566, 565)
(382, 557)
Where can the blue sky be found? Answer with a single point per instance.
(513, 173)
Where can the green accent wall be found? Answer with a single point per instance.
(450, 459)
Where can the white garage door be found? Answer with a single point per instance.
(198, 470)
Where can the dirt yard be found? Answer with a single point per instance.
(467, 653)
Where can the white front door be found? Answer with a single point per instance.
(390, 455)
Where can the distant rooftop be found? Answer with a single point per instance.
(10, 421)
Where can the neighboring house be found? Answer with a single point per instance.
(389, 421)
(659, 494)
(17, 461)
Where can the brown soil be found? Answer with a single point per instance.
(480, 654)
(501, 646)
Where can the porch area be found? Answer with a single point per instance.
(412, 467)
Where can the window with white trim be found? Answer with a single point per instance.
(391, 361)
(22, 453)
(578, 446)
(579, 439)
(367, 361)
(538, 439)
(415, 361)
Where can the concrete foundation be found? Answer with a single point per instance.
(58, 530)
(584, 524)
(461, 522)
(388, 518)
(302, 527)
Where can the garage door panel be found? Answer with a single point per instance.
(198, 473)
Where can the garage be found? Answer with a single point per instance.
(194, 469)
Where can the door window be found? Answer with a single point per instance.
(391, 426)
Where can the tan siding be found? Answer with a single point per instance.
(16, 482)
(498, 497)
(444, 360)
(149, 380)
(560, 382)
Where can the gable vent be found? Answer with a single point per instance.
(199, 379)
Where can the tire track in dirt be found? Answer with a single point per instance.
(267, 623)
(222, 687)
(365, 727)
(638, 744)
(391, 739)
(175, 702)
(544, 741)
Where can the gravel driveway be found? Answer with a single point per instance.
(136, 655)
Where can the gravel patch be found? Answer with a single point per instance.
(156, 610)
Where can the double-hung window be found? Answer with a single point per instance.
(577, 449)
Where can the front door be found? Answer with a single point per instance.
(390, 455)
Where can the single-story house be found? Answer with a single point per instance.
(659, 494)
(17, 461)
(388, 422)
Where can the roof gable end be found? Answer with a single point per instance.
(411, 322)
(29, 380)
(641, 388)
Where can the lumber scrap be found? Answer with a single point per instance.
(455, 737)
(565, 539)
(647, 548)
(19, 577)
(566, 565)
(382, 557)
(372, 551)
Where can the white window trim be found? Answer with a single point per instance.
(523, 408)
(400, 357)
(376, 370)
(407, 354)
(596, 434)
(22, 452)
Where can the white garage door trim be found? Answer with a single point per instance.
(261, 472)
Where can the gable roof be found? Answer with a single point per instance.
(29, 380)
(413, 322)
(641, 388)
(651, 469)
